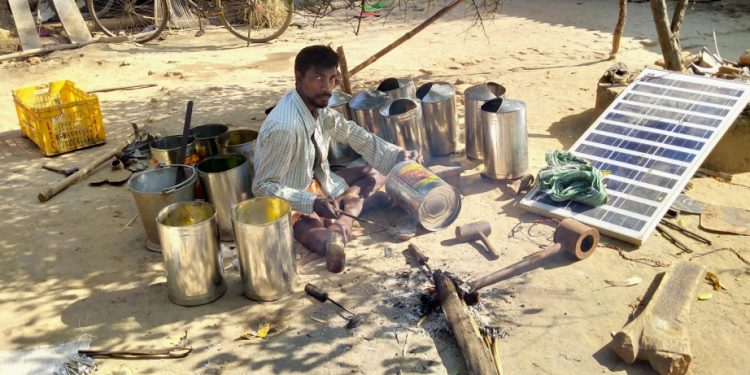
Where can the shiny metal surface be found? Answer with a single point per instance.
(341, 153)
(403, 119)
(506, 144)
(155, 189)
(227, 181)
(239, 141)
(166, 151)
(474, 97)
(190, 246)
(439, 116)
(431, 201)
(263, 228)
(364, 107)
(206, 139)
(397, 88)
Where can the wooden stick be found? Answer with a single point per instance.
(669, 41)
(476, 353)
(345, 83)
(131, 87)
(63, 184)
(619, 28)
(659, 333)
(60, 47)
(405, 37)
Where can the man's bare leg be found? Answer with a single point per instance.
(364, 183)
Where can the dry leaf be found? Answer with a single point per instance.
(635, 280)
(714, 281)
(705, 296)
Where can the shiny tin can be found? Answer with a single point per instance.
(431, 201)
(263, 228)
(506, 149)
(227, 181)
(166, 151)
(206, 139)
(339, 153)
(439, 116)
(364, 107)
(397, 88)
(403, 119)
(190, 246)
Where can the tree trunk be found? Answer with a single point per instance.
(619, 28)
(669, 41)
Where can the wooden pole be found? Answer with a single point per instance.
(477, 355)
(619, 27)
(405, 37)
(669, 41)
(679, 13)
(346, 84)
(59, 47)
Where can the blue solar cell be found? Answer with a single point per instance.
(692, 86)
(634, 175)
(635, 190)
(710, 110)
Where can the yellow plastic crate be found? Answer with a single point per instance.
(59, 117)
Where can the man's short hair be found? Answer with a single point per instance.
(318, 56)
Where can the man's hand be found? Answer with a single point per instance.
(409, 155)
(325, 207)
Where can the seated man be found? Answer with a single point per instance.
(291, 159)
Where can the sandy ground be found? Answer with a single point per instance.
(70, 267)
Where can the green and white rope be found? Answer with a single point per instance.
(568, 177)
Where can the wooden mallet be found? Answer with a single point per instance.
(572, 236)
(477, 231)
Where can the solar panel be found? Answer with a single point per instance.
(652, 139)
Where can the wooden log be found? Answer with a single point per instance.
(659, 333)
(405, 37)
(346, 84)
(669, 41)
(679, 13)
(60, 47)
(476, 353)
(619, 28)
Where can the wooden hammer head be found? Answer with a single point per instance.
(577, 238)
(470, 232)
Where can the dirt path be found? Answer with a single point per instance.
(67, 267)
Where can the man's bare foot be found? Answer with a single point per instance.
(335, 253)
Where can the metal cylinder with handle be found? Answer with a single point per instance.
(364, 107)
(339, 153)
(474, 97)
(403, 119)
(506, 154)
(440, 117)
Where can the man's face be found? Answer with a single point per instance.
(315, 85)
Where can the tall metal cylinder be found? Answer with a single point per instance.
(440, 117)
(206, 144)
(265, 247)
(397, 88)
(506, 143)
(474, 97)
(227, 181)
(239, 141)
(155, 189)
(192, 259)
(340, 153)
(364, 107)
(403, 119)
(431, 201)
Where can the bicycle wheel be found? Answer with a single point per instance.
(141, 20)
(256, 21)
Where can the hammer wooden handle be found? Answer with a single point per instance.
(488, 245)
(63, 184)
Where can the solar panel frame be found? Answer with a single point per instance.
(653, 137)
